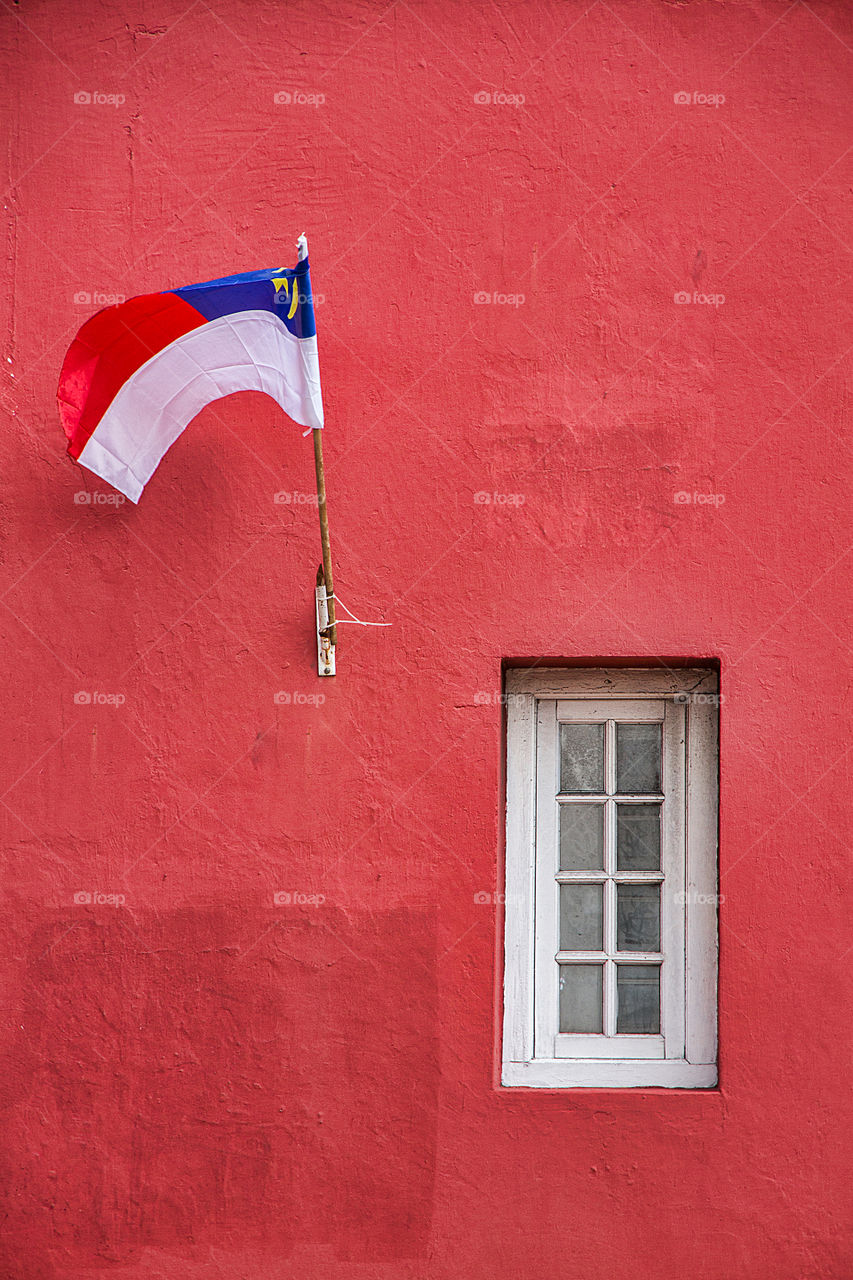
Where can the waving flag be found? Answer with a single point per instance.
(138, 373)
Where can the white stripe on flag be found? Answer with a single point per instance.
(247, 351)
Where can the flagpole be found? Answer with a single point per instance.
(331, 630)
(327, 631)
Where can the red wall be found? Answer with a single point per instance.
(199, 1083)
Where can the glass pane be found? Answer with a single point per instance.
(638, 837)
(581, 837)
(580, 917)
(638, 999)
(638, 917)
(638, 758)
(580, 997)
(581, 757)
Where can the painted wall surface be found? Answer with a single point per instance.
(580, 274)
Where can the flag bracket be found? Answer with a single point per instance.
(325, 646)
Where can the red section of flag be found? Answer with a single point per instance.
(108, 350)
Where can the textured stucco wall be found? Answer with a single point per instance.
(200, 1083)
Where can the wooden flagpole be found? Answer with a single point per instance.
(330, 631)
(327, 631)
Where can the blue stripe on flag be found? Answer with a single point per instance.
(255, 291)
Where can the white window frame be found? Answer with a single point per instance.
(684, 1055)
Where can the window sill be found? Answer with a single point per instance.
(598, 1073)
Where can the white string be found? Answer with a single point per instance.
(331, 595)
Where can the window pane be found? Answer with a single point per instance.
(580, 917)
(638, 837)
(581, 757)
(638, 999)
(638, 758)
(638, 917)
(580, 997)
(581, 837)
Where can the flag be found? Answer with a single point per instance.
(137, 373)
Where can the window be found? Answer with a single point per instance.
(611, 878)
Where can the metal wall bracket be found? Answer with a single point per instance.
(325, 648)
